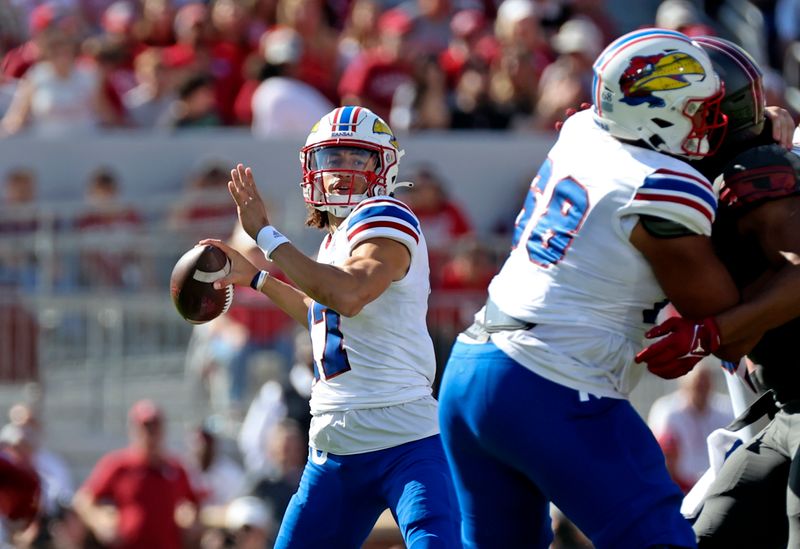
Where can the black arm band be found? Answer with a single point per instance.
(254, 282)
(659, 227)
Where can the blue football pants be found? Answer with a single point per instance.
(516, 441)
(341, 497)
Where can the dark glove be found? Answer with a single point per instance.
(684, 343)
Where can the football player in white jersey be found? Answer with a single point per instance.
(374, 433)
(533, 406)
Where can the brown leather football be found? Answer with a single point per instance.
(192, 284)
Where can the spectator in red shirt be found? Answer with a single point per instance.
(442, 220)
(228, 51)
(471, 268)
(108, 230)
(319, 63)
(372, 78)
(149, 489)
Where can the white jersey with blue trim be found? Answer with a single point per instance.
(382, 356)
(573, 270)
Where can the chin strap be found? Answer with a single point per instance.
(340, 210)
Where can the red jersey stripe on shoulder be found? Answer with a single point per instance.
(675, 199)
(386, 225)
(700, 180)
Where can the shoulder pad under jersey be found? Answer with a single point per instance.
(759, 174)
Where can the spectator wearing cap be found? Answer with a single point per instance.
(149, 491)
(567, 82)
(372, 78)
(283, 104)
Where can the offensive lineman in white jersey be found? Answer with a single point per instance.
(533, 406)
(374, 432)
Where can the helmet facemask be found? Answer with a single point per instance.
(708, 125)
(337, 177)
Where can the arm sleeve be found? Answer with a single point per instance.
(384, 217)
(683, 198)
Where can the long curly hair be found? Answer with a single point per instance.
(316, 218)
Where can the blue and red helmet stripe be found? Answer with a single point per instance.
(345, 119)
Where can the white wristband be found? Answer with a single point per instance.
(268, 239)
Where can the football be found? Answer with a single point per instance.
(192, 284)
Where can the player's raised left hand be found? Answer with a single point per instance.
(250, 206)
(683, 344)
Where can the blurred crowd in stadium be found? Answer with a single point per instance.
(276, 66)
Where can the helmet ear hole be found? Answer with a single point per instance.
(661, 123)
